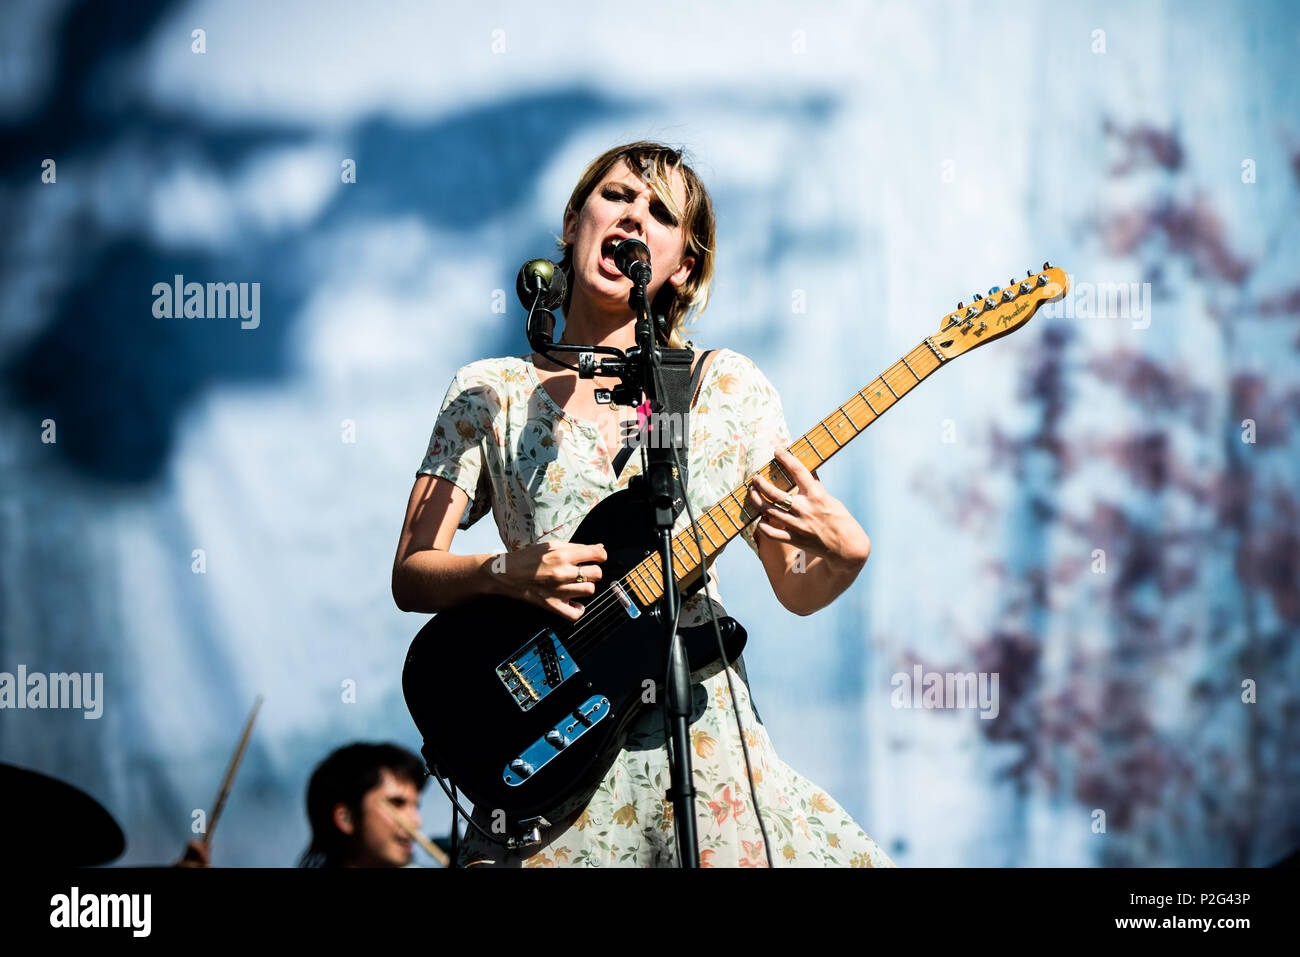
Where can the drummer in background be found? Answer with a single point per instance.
(351, 799)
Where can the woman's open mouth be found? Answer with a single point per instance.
(606, 260)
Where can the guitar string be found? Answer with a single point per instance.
(596, 615)
(590, 628)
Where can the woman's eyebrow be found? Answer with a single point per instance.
(656, 201)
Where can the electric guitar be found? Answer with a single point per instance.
(526, 711)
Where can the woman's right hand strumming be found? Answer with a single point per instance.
(558, 576)
(428, 578)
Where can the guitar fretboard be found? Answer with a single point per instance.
(725, 520)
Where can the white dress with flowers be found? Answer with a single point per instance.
(502, 439)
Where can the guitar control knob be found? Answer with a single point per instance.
(582, 717)
(556, 740)
(521, 767)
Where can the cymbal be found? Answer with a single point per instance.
(45, 821)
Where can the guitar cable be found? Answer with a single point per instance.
(455, 827)
(455, 803)
(717, 631)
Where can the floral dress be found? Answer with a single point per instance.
(502, 439)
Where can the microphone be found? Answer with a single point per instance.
(632, 257)
(541, 276)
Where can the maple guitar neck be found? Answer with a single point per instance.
(725, 520)
(987, 318)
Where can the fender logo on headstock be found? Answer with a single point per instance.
(1007, 319)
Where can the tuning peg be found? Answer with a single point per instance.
(1047, 265)
(1026, 286)
(994, 290)
(988, 303)
(1008, 295)
(971, 312)
(961, 306)
(1028, 273)
(978, 297)
(1042, 279)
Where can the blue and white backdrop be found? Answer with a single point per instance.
(1101, 511)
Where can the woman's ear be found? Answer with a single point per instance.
(570, 226)
(682, 272)
(343, 819)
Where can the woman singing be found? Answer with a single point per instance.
(525, 437)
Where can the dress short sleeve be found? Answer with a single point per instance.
(455, 451)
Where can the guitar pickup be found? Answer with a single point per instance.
(555, 741)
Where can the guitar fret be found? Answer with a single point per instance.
(649, 578)
(869, 405)
(721, 506)
(910, 369)
(852, 425)
(676, 558)
(642, 590)
(783, 472)
(700, 525)
(889, 387)
(816, 451)
(744, 511)
(838, 443)
(854, 405)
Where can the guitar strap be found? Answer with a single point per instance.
(681, 383)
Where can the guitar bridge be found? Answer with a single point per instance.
(536, 669)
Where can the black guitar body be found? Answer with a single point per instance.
(524, 711)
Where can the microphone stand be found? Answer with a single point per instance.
(662, 481)
(639, 370)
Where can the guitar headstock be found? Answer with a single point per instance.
(1002, 310)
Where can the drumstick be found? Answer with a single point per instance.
(230, 772)
(434, 850)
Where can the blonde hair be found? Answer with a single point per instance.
(654, 163)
